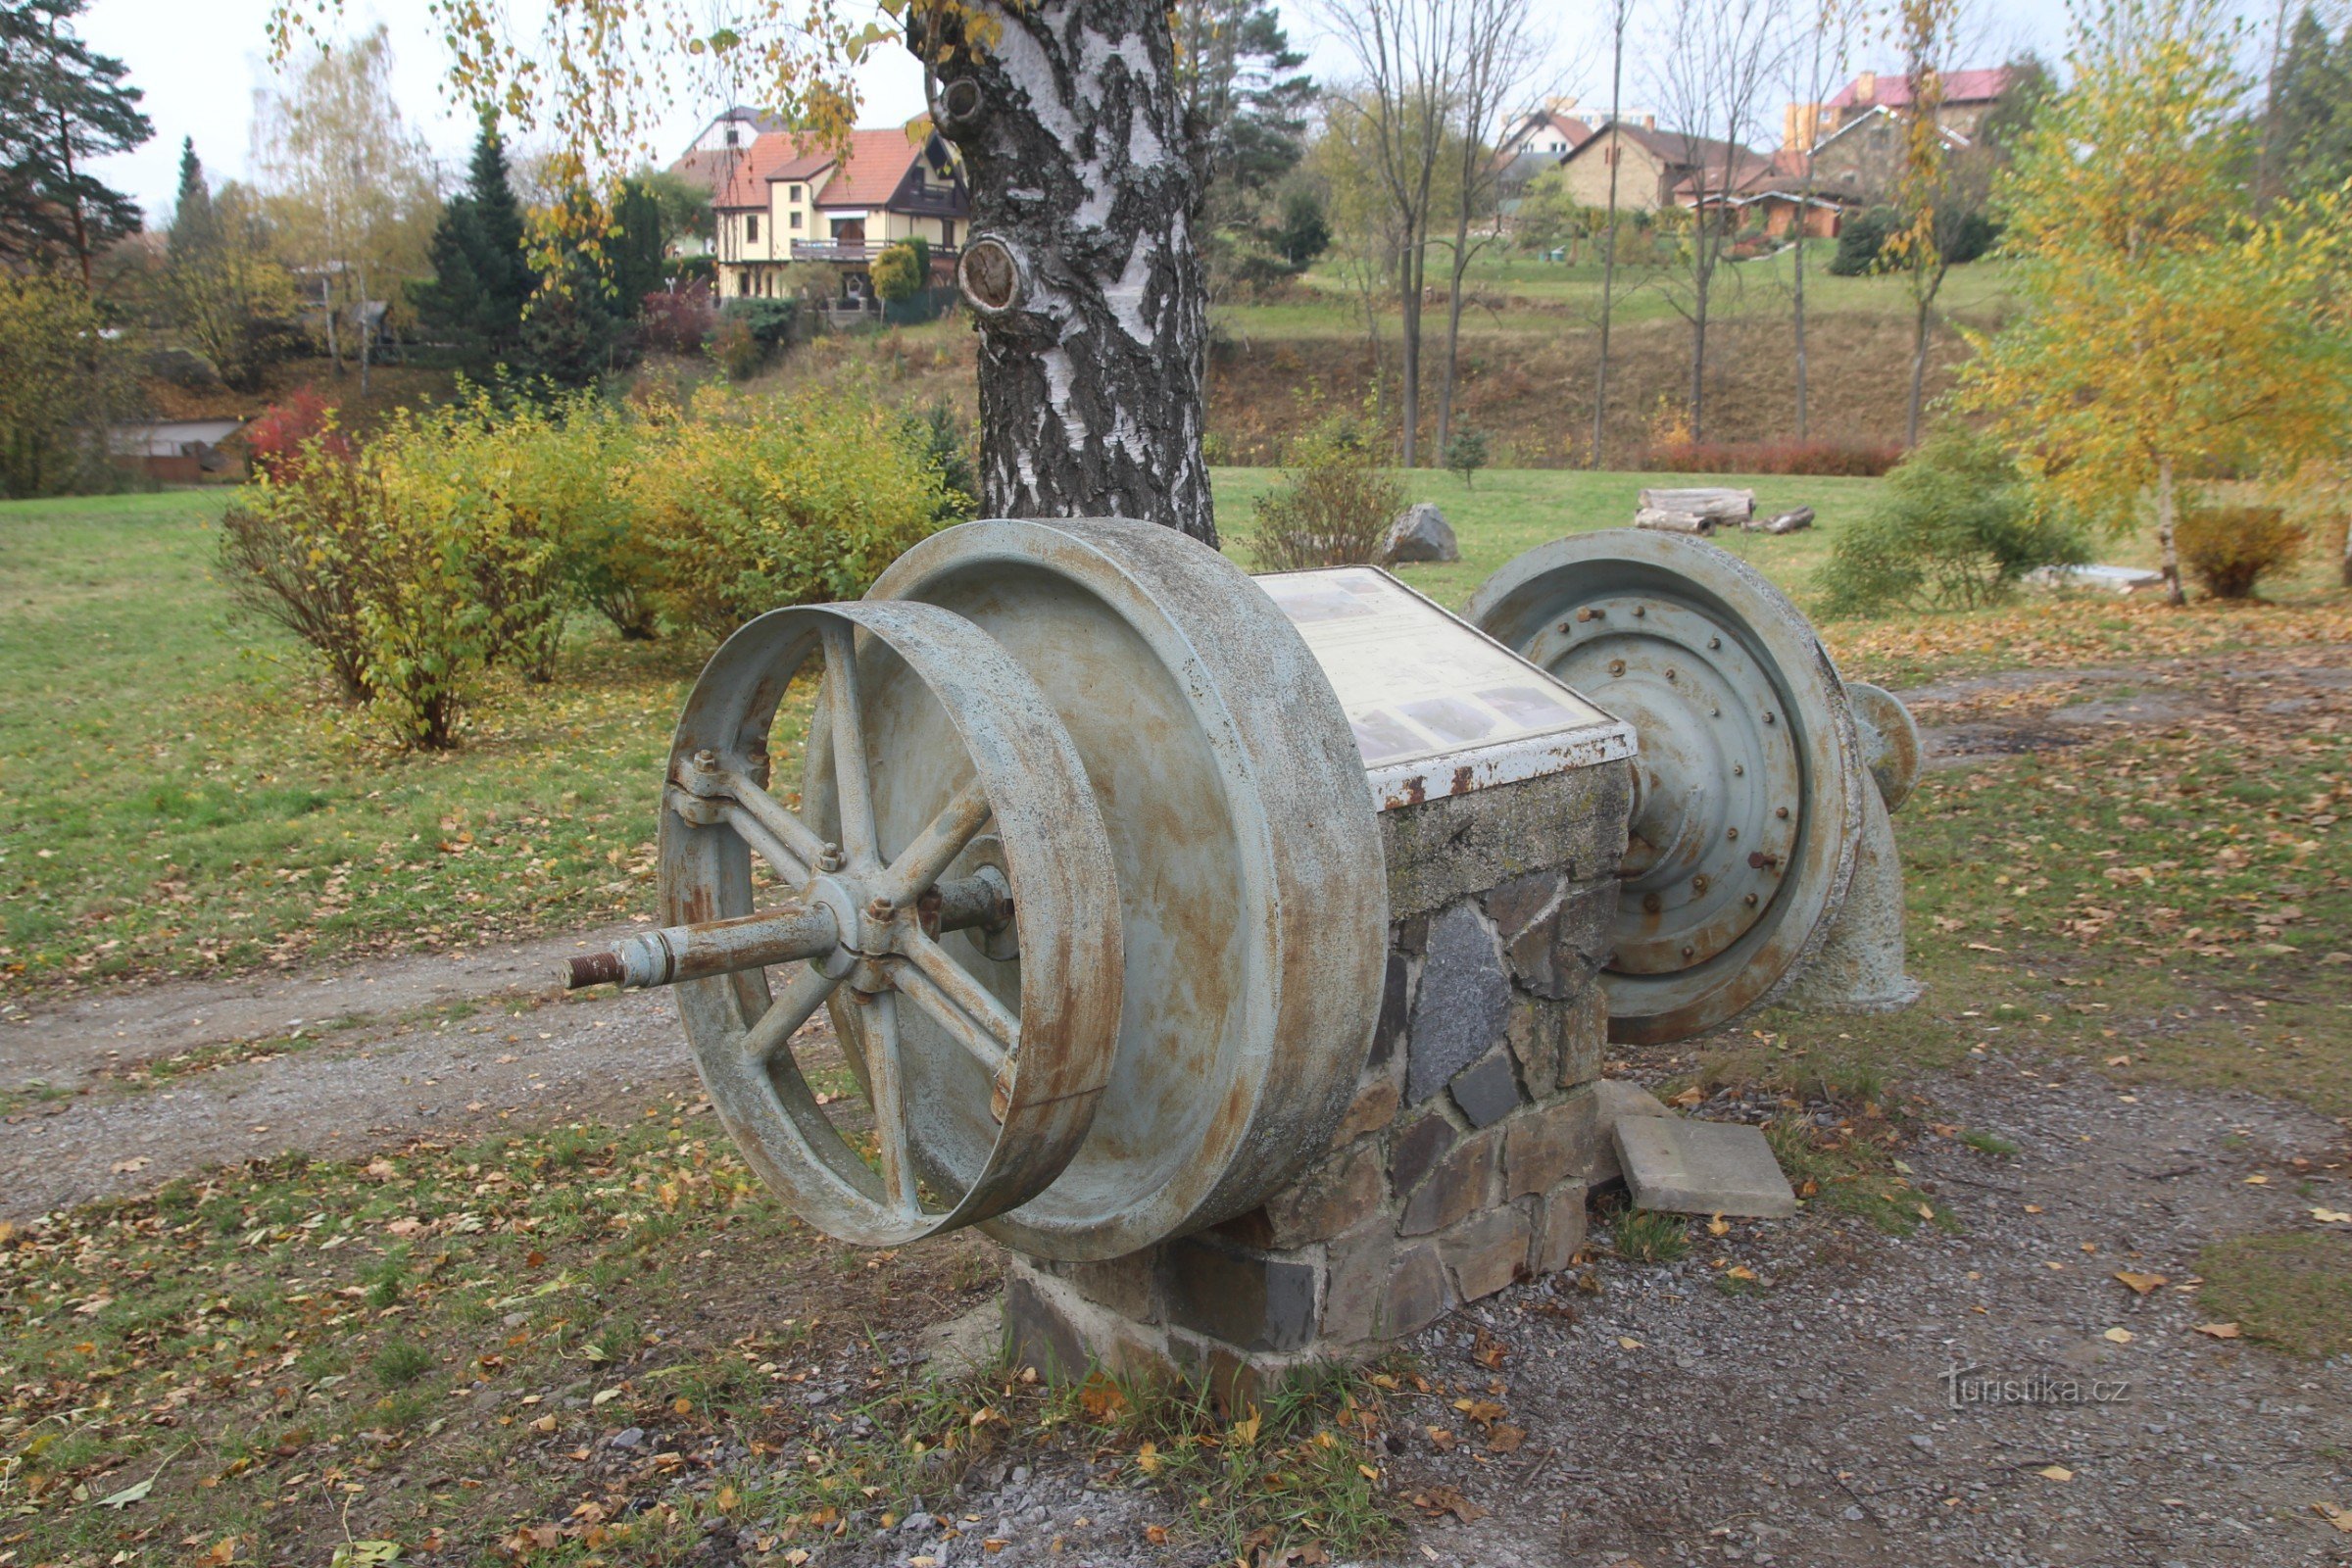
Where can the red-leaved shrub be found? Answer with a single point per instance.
(294, 431)
(677, 321)
(1832, 457)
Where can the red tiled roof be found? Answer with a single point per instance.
(1895, 91)
(872, 170)
(742, 174)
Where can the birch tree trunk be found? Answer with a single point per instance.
(1081, 270)
(2165, 539)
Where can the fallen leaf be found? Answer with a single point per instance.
(1447, 1499)
(1926, 1210)
(1688, 1096)
(136, 1492)
(2033, 1209)
(2220, 1331)
(2258, 1181)
(1157, 1535)
(2342, 1518)
(124, 1167)
(1739, 1271)
(1503, 1438)
(2331, 1216)
(1719, 1226)
(1628, 1342)
(2140, 1284)
(2120, 1336)
(223, 1552)
(1100, 1397)
(1146, 1458)
(2055, 1472)
(1245, 1432)
(605, 1396)
(1440, 1438)
(367, 1554)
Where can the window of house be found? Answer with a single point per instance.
(794, 191)
(796, 217)
(730, 135)
(751, 229)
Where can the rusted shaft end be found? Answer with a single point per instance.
(594, 969)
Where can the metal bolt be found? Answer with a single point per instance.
(1782, 812)
(1592, 612)
(1768, 718)
(829, 858)
(1689, 952)
(1698, 884)
(1640, 609)
(1616, 667)
(1651, 902)
(881, 908)
(1730, 832)
(1670, 672)
(1714, 712)
(1739, 771)
(706, 759)
(1751, 901)
(1714, 642)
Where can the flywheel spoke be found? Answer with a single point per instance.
(924, 861)
(849, 746)
(884, 1080)
(956, 1002)
(801, 995)
(790, 846)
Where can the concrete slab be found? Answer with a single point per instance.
(1701, 1167)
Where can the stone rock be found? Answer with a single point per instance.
(1356, 1285)
(1533, 1033)
(1560, 1221)
(1487, 1089)
(1395, 992)
(1417, 1150)
(1701, 1167)
(1463, 998)
(1613, 1100)
(1419, 533)
(1374, 1107)
(1415, 1297)
(1513, 906)
(1487, 1253)
(1247, 1300)
(1452, 847)
(1583, 1037)
(1543, 1147)
(1332, 1198)
(1122, 1284)
(1462, 1184)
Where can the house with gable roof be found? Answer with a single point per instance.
(786, 197)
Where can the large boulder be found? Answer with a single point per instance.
(1419, 533)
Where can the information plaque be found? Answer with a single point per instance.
(1438, 706)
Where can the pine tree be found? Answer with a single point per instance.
(194, 225)
(61, 105)
(482, 278)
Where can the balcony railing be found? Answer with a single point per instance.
(824, 250)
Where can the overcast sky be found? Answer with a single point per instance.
(200, 62)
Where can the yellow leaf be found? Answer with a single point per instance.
(1245, 1432)
(1146, 1458)
(2220, 1331)
(1628, 1342)
(2258, 1181)
(2055, 1472)
(2331, 1216)
(1719, 1226)
(1926, 1210)
(2120, 1336)
(2140, 1284)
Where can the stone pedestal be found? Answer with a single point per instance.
(1463, 1160)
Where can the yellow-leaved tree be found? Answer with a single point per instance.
(2171, 333)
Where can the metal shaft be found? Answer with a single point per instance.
(783, 934)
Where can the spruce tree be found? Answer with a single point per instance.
(194, 225)
(481, 277)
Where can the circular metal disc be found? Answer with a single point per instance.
(1248, 861)
(1890, 736)
(939, 709)
(1746, 819)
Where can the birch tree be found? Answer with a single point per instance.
(1410, 60)
(352, 186)
(1617, 16)
(1716, 60)
(2168, 331)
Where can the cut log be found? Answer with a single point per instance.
(1785, 522)
(1714, 503)
(1664, 521)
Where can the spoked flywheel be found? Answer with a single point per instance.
(1747, 812)
(953, 827)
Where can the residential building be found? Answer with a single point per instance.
(1857, 137)
(1964, 98)
(790, 197)
(1657, 169)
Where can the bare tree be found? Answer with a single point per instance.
(1815, 66)
(1616, 18)
(353, 185)
(1716, 60)
(1409, 61)
(1499, 52)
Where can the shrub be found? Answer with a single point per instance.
(1955, 527)
(944, 445)
(751, 507)
(751, 332)
(677, 321)
(62, 381)
(1466, 454)
(285, 432)
(288, 552)
(1861, 239)
(2229, 548)
(1331, 509)
(896, 275)
(1814, 458)
(738, 355)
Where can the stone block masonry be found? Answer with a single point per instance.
(1462, 1162)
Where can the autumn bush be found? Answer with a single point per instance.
(63, 380)
(2230, 549)
(293, 429)
(1839, 458)
(1332, 507)
(1955, 527)
(748, 506)
(677, 321)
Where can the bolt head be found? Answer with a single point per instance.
(706, 759)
